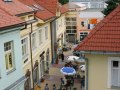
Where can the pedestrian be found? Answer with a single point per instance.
(62, 82)
(46, 87)
(82, 82)
(62, 57)
(54, 87)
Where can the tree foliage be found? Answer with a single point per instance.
(111, 5)
(63, 1)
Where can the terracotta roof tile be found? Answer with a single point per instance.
(15, 7)
(63, 9)
(105, 36)
(42, 13)
(8, 20)
(52, 6)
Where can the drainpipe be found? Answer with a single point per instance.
(86, 73)
(51, 42)
(31, 55)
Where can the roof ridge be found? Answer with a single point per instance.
(100, 25)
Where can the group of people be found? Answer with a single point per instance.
(67, 81)
(69, 64)
(47, 87)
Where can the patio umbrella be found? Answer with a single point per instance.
(75, 58)
(68, 70)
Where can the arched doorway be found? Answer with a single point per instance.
(36, 72)
(27, 85)
(42, 65)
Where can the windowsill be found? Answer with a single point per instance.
(11, 71)
(115, 87)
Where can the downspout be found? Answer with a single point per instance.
(86, 74)
(31, 55)
(51, 41)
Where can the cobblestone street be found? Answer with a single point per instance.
(55, 75)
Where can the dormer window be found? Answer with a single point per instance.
(7, 0)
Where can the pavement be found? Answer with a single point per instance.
(54, 76)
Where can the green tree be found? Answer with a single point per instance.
(111, 5)
(63, 1)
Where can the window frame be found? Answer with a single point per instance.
(40, 36)
(25, 44)
(34, 45)
(83, 34)
(11, 50)
(109, 82)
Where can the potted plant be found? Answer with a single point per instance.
(57, 60)
(42, 79)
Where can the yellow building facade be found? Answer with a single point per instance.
(99, 71)
(36, 45)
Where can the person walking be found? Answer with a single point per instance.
(83, 82)
(62, 57)
(46, 87)
(54, 87)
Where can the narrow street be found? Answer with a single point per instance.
(55, 75)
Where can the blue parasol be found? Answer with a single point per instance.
(68, 70)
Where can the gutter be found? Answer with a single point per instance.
(26, 13)
(95, 52)
(12, 26)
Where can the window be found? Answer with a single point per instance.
(46, 32)
(8, 49)
(83, 35)
(24, 47)
(56, 24)
(64, 21)
(40, 36)
(114, 72)
(33, 40)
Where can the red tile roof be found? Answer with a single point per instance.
(8, 20)
(42, 13)
(52, 6)
(105, 36)
(63, 9)
(14, 7)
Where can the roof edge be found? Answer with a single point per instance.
(12, 26)
(95, 52)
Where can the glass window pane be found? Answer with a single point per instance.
(115, 64)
